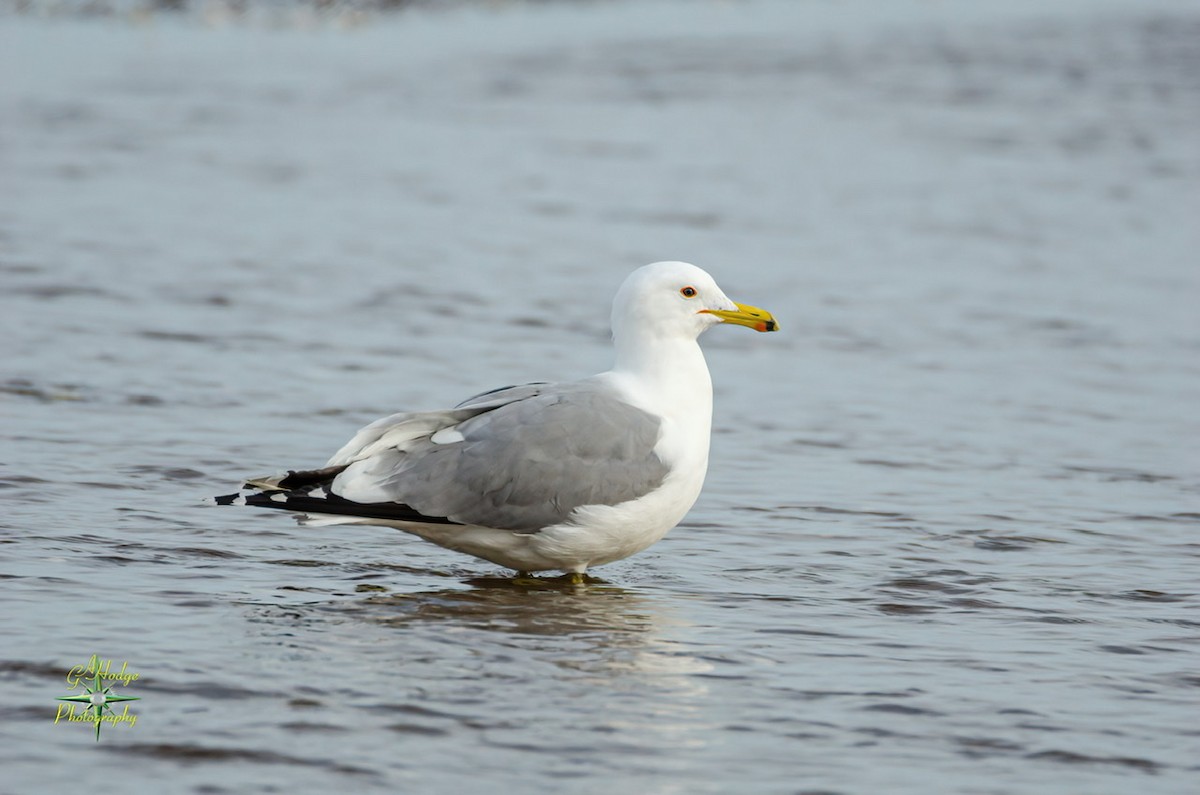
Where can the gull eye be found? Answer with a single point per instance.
(688, 292)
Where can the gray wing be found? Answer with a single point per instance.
(505, 394)
(522, 465)
(406, 429)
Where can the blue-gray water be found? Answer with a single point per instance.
(948, 541)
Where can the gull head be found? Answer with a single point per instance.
(677, 299)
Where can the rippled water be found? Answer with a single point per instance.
(948, 541)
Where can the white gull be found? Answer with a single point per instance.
(541, 477)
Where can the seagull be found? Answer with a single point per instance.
(544, 476)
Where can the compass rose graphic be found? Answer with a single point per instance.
(98, 698)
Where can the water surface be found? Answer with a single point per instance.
(948, 541)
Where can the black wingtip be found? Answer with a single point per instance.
(331, 504)
(298, 479)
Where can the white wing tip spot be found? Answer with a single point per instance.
(447, 436)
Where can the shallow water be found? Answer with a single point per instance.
(949, 537)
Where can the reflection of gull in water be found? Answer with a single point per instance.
(525, 607)
(533, 665)
(597, 627)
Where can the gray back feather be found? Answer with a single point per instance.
(543, 451)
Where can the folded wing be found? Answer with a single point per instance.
(521, 458)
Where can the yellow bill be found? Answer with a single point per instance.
(746, 315)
